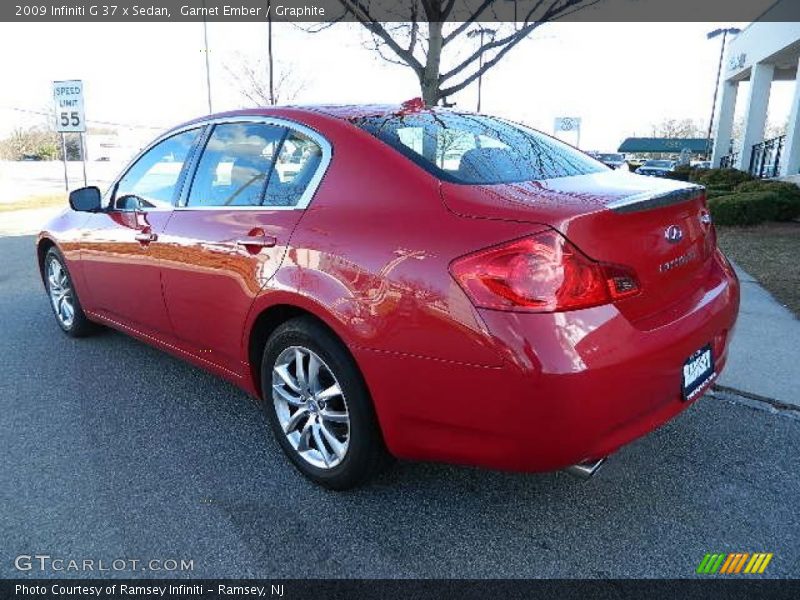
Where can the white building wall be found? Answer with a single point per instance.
(766, 50)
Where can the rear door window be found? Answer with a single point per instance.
(236, 165)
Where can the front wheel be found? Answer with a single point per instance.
(319, 407)
(63, 298)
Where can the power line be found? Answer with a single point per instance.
(95, 122)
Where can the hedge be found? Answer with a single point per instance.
(718, 187)
(713, 177)
(787, 204)
(714, 193)
(749, 208)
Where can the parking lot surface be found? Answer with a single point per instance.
(112, 449)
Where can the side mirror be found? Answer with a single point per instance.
(87, 199)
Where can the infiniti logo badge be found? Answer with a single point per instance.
(673, 234)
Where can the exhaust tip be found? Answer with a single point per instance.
(586, 469)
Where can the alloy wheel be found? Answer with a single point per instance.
(61, 295)
(311, 407)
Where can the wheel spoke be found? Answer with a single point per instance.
(315, 428)
(66, 308)
(313, 373)
(334, 416)
(330, 392)
(295, 419)
(300, 369)
(283, 373)
(286, 395)
(337, 446)
(305, 436)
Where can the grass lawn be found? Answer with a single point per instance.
(30, 202)
(771, 254)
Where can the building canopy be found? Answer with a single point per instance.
(665, 145)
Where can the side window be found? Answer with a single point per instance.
(150, 182)
(297, 163)
(235, 165)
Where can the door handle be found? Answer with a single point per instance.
(146, 237)
(263, 241)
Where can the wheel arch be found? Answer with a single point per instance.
(43, 245)
(267, 318)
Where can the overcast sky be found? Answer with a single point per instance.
(621, 79)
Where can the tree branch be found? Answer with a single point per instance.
(461, 28)
(361, 13)
(490, 63)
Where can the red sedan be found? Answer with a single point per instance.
(398, 281)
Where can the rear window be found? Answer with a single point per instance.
(475, 149)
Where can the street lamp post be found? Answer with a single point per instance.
(711, 35)
(481, 31)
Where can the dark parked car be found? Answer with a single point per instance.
(614, 160)
(657, 168)
(426, 284)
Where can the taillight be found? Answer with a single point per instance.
(541, 273)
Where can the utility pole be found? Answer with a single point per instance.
(208, 66)
(269, 53)
(712, 35)
(481, 31)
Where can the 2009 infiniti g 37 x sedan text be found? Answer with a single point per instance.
(409, 282)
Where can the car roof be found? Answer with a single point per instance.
(358, 111)
(346, 112)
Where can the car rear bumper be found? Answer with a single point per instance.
(574, 386)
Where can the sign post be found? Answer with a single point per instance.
(70, 118)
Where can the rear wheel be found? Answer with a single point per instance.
(319, 407)
(63, 298)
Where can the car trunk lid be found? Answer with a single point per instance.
(660, 228)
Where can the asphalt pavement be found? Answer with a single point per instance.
(113, 450)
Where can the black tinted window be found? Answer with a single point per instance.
(475, 149)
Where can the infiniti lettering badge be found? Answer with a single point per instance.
(678, 262)
(673, 234)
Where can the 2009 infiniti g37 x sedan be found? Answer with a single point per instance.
(409, 282)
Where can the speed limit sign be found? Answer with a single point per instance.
(68, 102)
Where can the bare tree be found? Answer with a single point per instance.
(679, 128)
(41, 143)
(252, 79)
(771, 130)
(428, 35)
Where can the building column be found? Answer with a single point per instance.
(755, 113)
(790, 157)
(724, 124)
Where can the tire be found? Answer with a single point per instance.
(63, 297)
(308, 417)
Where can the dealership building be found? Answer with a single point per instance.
(765, 51)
